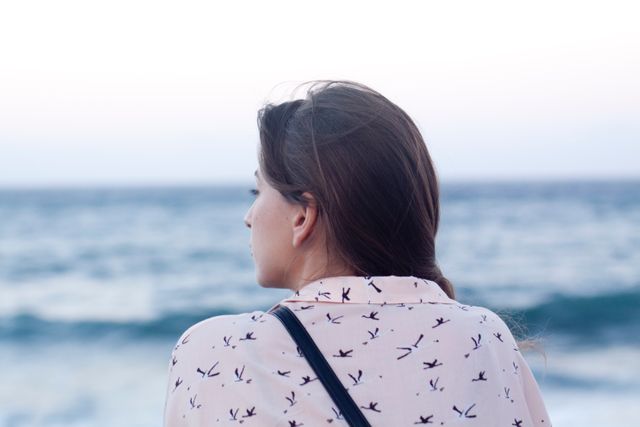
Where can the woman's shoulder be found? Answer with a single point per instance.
(225, 326)
(479, 319)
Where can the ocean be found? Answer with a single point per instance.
(97, 284)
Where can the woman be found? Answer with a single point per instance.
(346, 215)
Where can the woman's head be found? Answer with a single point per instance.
(358, 163)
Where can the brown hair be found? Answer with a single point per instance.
(365, 162)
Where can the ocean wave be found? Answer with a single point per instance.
(582, 320)
(586, 320)
(29, 327)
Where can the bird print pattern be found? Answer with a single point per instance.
(405, 352)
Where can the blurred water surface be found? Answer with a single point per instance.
(96, 285)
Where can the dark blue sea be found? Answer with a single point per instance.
(97, 284)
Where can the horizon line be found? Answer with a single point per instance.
(241, 183)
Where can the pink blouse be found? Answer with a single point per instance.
(406, 353)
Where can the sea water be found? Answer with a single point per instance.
(96, 286)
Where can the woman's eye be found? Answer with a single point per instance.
(253, 191)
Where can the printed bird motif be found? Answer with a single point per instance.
(476, 342)
(337, 413)
(193, 403)
(373, 316)
(374, 334)
(307, 379)
(424, 420)
(211, 373)
(334, 319)
(465, 414)
(239, 373)
(378, 290)
(507, 390)
(292, 399)
(248, 336)
(250, 412)
(429, 365)
(481, 377)
(373, 406)
(440, 321)
(356, 379)
(434, 384)
(326, 295)
(409, 349)
(342, 353)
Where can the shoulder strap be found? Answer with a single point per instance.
(320, 366)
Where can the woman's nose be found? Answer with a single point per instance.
(246, 219)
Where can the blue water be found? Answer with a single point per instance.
(97, 284)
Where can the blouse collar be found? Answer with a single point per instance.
(371, 290)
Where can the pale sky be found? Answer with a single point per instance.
(150, 92)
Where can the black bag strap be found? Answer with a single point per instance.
(350, 411)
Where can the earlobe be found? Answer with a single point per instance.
(304, 221)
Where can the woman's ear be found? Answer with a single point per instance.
(305, 220)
